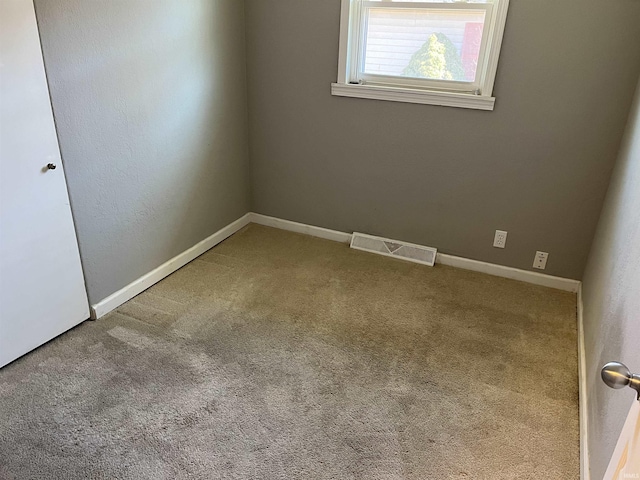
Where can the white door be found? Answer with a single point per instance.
(42, 292)
(625, 462)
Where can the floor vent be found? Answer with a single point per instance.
(394, 248)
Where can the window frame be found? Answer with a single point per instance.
(353, 82)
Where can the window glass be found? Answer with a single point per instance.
(434, 44)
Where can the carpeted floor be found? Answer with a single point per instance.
(282, 356)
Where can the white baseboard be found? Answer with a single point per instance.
(535, 278)
(559, 283)
(320, 232)
(585, 473)
(116, 299)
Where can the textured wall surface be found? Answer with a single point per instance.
(150, 103)
(611, 292)
(538, 166)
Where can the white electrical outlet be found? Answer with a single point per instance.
(500, 240)
(540, 260)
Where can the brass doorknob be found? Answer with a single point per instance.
(51, 166)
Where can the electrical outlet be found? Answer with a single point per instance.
(500, 240)
(540, 260)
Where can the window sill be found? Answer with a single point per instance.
(406, 95)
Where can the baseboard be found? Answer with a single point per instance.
(113, 301)
(535, 278)
(559, 283)
(320, 232)
(585, 473)
(116, 299)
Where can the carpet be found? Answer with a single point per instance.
(277, 356)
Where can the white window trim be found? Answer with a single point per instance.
(398, 93)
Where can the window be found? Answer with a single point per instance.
(442, 52)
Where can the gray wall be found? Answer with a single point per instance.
(150, 103)
(611, 298)
(538, 166)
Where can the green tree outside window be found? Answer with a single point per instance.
(437, 59)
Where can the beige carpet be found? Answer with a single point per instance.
(278, 356)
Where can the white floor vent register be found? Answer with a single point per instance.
(394, 248)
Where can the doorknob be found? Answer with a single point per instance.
(617, 375)
(51, 166)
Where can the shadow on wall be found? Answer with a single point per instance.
(150, 103)
(611, 298)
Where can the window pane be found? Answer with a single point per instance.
(435, 44)
(435, 1)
